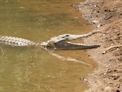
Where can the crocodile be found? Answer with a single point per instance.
(59, 42)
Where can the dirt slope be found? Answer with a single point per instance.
(106, 16)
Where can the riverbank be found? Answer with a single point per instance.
(105, 16)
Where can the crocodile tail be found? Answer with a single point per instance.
(15, 41)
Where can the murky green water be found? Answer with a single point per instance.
(33, 69)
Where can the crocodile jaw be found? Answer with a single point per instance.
(67, 45)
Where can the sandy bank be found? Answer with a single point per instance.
(106, 16)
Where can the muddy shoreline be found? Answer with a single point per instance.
(105, 16)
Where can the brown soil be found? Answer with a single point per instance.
(106, 16)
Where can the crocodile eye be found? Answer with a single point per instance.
(66, 36)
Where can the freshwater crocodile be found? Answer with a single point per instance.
(58, 42)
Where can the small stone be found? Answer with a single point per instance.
(108, 89)
(117, 90)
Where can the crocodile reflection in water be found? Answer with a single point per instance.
(59, 42)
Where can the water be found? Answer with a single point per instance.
(34, 69)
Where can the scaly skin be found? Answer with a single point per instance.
(15, 41)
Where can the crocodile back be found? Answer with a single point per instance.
(15, 41)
